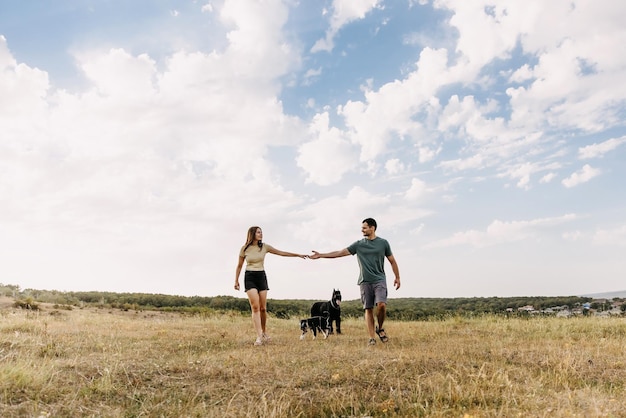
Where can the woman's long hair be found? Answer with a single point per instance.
(250, 239)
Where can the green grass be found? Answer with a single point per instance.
(106, 363)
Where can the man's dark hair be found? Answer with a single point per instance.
(370, 222)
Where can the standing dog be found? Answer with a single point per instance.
(316, 323)
(330, 309)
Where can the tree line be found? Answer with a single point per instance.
(400, 309)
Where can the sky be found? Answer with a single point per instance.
(140, 140)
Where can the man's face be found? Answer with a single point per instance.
(367, 230)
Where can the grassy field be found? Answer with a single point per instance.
(104, 363)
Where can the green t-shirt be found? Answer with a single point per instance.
(371, 256)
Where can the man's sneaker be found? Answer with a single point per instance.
(372, 341)
(266, 338)
(258, 342)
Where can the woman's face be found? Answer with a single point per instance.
(258, 235)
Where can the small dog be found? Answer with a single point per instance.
(315, 324)
(330, 309)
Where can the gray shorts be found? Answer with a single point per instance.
(373, 293)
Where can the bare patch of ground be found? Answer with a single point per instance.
(6, 302)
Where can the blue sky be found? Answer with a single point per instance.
(140, 140)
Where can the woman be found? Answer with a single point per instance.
(255, 280)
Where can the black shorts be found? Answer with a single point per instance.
(255, 280)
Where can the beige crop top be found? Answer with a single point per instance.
(255, 257)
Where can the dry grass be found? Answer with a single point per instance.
(123, 364)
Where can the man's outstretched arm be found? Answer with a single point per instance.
(333, 254)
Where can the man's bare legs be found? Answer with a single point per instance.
(381, 314)
(369, 321)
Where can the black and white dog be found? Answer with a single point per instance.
(315, 324)
(330, 309)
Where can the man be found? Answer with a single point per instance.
(371, 252)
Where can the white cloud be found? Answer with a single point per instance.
(417, 190)
(523, 172)
(522, 74)
(473, 162)
(330, 221)
(22, 90)
(390, 111)
(582, 176)
(344, 12)
(610, 237)
(484, 32)
(589, 100)
(311, 74)
(427, 154)
(547, 178)
(598, 150)
(499, 232)
(559, 92)
(417, 230)
(394, 166)
(257, 39)
(572, 235)
(117, 73)
(328, 157)
(6, 58)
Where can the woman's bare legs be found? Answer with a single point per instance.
(263, 309)
(263, 312)
(258, 319)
